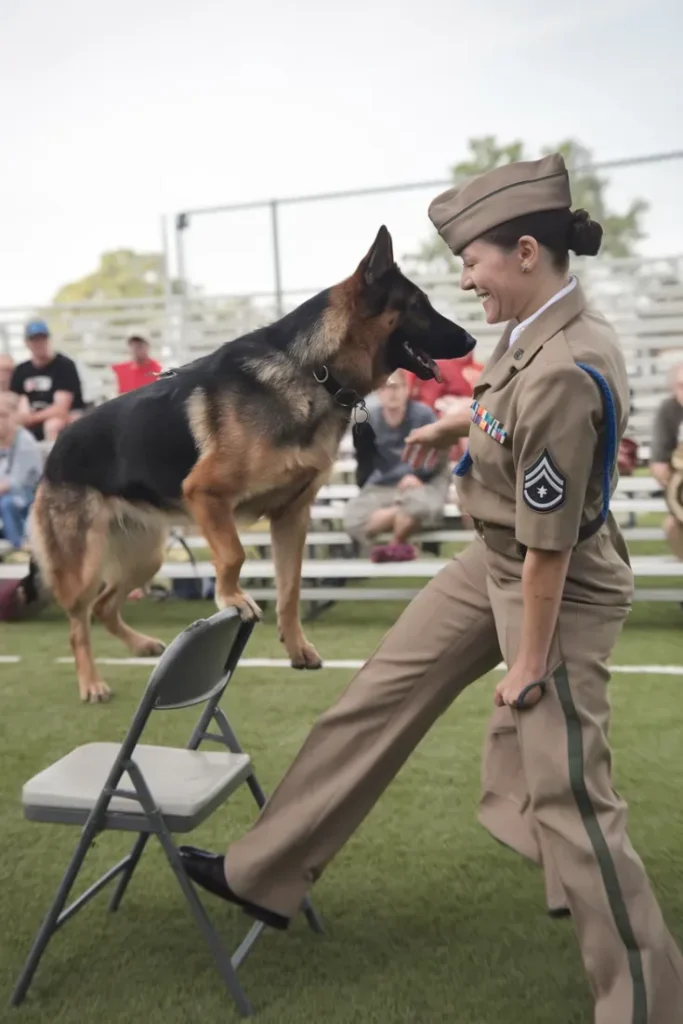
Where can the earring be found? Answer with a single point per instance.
(525, 268)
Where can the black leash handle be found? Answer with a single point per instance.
(519, 704)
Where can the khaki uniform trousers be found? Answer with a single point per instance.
(547, 785)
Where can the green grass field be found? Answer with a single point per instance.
(428, 920)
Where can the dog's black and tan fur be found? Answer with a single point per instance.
(250, 430)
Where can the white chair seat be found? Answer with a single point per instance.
(184, 783)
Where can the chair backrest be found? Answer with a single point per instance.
(195, 668)
(198, 663)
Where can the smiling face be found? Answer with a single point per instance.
(498, 280)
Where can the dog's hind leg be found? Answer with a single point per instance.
(70, 533)
(135, 555)
(288, 533)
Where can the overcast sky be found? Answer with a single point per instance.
(115, 113)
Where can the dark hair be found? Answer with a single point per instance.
(556, 230)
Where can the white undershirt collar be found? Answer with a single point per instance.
(556, 298)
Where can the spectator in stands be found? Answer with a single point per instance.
(48, 385)
(667, 438)
(453, 394)
(6, 371)
(457, 380)
(394, 497)
(21, 464)
(140, 369)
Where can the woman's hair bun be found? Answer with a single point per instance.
(585, 235)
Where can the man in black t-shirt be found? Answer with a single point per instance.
(48, 385)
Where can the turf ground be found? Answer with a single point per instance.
(428, 920)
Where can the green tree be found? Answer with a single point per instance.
(622, 231)
(121, 274)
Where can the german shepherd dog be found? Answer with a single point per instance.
(249, 431)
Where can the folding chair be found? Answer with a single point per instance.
(154, 790)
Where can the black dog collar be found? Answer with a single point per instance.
(346, 397)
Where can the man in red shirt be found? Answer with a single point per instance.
(458, 379)
(140, 369)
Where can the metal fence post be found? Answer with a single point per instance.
(277, 268)
(181, 224)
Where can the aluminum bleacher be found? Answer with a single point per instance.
(642, 297)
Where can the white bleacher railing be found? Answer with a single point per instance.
(642, 297)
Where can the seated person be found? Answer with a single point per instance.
(6, 371)
(140, 369)
(21, 465)
(667, 439)
(457, 380)
(48, 385)
(452, 393)
(394, 497)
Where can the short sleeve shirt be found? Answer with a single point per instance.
(39, 384)
(389, 467)
(131, 375)
(667, 432)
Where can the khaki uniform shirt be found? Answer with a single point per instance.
(542, 476)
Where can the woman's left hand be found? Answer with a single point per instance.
(513, 686)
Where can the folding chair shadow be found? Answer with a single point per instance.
(165, 790)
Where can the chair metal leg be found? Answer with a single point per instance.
(133, 858)
(246, 945)
(49, 925)
(223, 961)
(313, 917)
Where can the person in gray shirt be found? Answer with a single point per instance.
(395, 497)
(667, 437)
(21, 465)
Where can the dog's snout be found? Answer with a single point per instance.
(468, 342)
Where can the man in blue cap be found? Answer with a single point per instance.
(48, 385)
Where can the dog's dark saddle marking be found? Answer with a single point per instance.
(139, 446)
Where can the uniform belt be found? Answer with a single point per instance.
(499, 538)
(502, 538)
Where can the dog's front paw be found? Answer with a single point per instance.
(305, 656)
(245, 605)
(148, 647)
(94, 691)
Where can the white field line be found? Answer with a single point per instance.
(349, 663)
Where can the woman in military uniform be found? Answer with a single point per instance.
(546, 585)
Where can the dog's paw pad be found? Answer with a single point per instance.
(306, 658)
(96, 693)
(151, 648)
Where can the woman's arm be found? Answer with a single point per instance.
(423, 442)
(543, 578)
(662, 472)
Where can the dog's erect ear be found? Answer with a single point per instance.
(372, 274)
(380, 258)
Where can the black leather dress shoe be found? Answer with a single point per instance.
(206, 869)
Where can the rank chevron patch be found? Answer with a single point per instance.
(545, 487)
